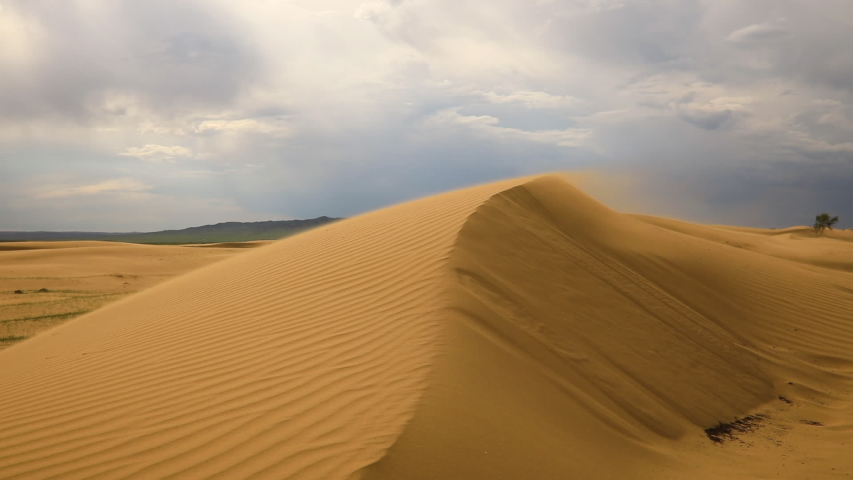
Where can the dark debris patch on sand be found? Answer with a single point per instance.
(812, 423)
(728, 431)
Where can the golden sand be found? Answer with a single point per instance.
(43, 284)
(517, 330)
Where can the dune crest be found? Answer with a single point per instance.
(511, 330)
(594, 344)
(302, 359)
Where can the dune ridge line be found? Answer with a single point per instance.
(518, 329)
(302, 359)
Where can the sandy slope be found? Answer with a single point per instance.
(57, 281)
(512, 330)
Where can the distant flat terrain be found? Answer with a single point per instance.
(218, 233)
(58, 281)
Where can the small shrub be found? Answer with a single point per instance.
(824, 221)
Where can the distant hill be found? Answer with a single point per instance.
(221, 232)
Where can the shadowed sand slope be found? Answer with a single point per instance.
(303, 359)
(588, 344)
(512, 330)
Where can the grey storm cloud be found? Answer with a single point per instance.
(166, 53)
(651, 33)
(126, 115)
(707, 120)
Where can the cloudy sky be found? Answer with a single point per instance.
(120, 115)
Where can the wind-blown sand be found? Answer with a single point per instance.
(506, 331)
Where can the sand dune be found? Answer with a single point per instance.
(512, 330)
(251, 244)
(57, 281)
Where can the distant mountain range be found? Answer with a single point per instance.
(221, 232)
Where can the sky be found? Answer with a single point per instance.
(122, 115)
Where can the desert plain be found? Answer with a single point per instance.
(514, 330)
(43, 284)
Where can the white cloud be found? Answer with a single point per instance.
(758, 32)
(242, 125)
(488, 126)
(826, 102)
(836, 119)
(20, 37)
(738, 104)
(372, 10)
(611, 114)
(453, 116)
(117, 185)
(715, 113)
(810, 145)
(600, 5)
(159, 128)
(532, 100)
(308, 15)
(214, 123)
(158, 153)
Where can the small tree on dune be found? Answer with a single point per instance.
(823, 221)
